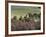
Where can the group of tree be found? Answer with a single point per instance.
(26, 23)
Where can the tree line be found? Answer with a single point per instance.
(26, 23)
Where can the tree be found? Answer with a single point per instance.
(15, 17)
(30, 15)
(20, 18)
(25, 18)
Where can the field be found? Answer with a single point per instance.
(25, 18)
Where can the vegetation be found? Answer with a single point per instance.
(25, 18)
(26, 23)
